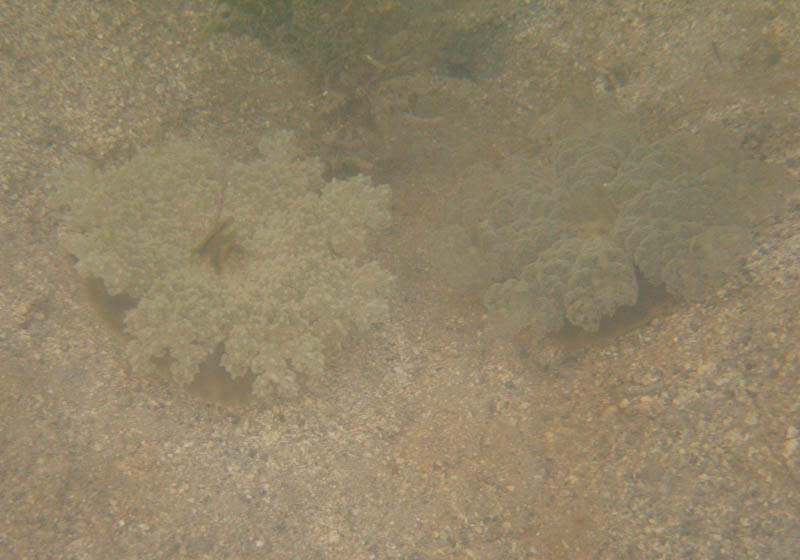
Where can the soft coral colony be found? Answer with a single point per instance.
(262, 266)
(569, 236)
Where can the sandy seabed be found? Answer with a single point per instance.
(431, 438)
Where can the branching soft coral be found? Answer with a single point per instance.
(262, 264)
(564, 235)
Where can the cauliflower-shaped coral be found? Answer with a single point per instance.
(261, 264)
(566, 235)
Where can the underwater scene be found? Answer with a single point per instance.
(428, 279)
